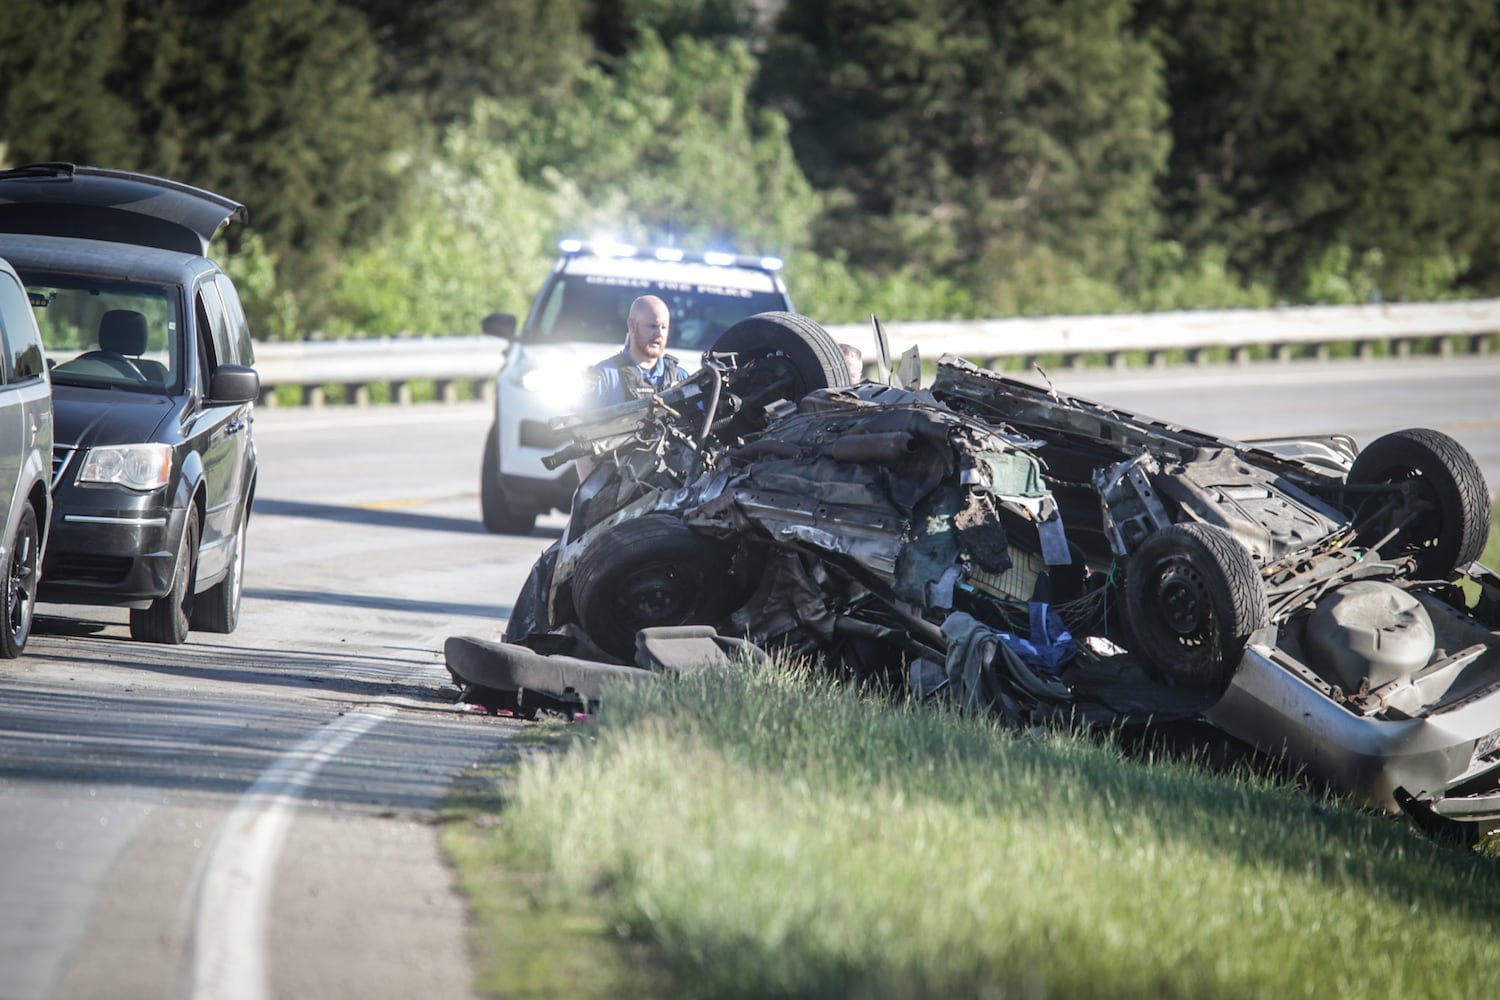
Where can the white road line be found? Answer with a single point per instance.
(230, 936)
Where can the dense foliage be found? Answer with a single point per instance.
(409, 167)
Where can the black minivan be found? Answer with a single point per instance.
(154, 465)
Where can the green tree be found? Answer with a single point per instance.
(283, 114)
(474, 239)
(270, 102)
(446, 54)
(667, 148)
(616, 25)
(1302, 127)
(975, 140)
(58, 96)
(1478, 146)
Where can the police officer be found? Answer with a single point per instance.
(643, 368)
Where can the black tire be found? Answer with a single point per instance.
(18, 598)
(217, 609)
(168, 618)
(1193, 596)
(1453, 525)
(499, 515)
(779, 355)
(649, 571)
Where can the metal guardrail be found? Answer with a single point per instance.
(450, 362)
(357, 364)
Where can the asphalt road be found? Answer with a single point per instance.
(252, 815)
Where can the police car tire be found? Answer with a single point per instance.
(495, 510)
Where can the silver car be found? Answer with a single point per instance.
(25, 461)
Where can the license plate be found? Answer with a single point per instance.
(1487, 745)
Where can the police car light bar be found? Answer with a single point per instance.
(600, 248)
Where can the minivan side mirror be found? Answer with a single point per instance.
(502, 325)
(233, 384)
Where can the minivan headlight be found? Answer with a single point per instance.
(134, 466)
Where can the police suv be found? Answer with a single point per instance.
(578, 319)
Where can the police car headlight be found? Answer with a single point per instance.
(559, 383)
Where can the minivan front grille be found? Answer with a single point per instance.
(72, 567)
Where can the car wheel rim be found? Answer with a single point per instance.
(20, 585)
(1185, 608)
(655, 595)
(237, 571)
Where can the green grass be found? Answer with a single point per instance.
(1491, 556)
(774, 835)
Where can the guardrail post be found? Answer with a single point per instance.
(401, 393)
(361, 393)
(447, 390)
(313, 395)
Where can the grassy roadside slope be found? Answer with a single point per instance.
(776, 836)
(753, 837)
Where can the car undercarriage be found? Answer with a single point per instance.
(1047, 558)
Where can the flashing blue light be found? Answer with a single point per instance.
(605, 247)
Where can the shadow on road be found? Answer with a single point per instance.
(385, 517)
(378, 517)
(498, 612)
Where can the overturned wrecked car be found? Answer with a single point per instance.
(1042, 556)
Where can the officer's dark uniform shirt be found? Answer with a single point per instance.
(621, 379)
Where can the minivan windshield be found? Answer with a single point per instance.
(107, 334)
(593, 308)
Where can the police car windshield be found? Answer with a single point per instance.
(593, 308)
